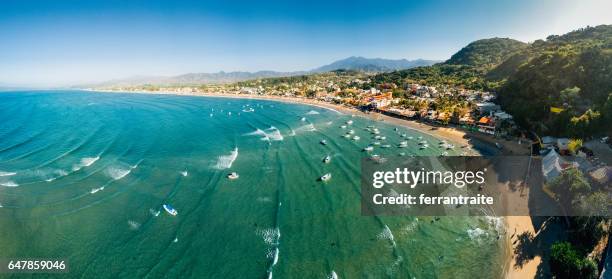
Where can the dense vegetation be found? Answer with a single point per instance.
(486, 52)
(571, 73)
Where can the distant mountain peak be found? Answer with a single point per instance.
(360, 63)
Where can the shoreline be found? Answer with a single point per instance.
(515, 225)
(457, 136)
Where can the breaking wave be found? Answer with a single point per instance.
(4, 173)
(274, 134)
(133, 225)
(85, 162)
(226, 161)
(270, 236)
(270, 134)
(9, 184)
(54, 175)
(312, 112)
(306, 128)
(387, 234)
(119, 172)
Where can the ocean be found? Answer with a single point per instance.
(84, 175)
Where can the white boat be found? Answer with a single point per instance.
(347, 135)
(170, 210)
(403, 135)
(233, 175)
(409, 138)
(356, 138)
(450, 146)
(423, 146)
(351, 132)
(376, 137)
(323, 142)
(385, 146)
(350, 122)
(368, 148)
(326, 177)
(303, 119)
(248, 110)
(423, 142)
(383, 138)
(343, 126)
(333, 275)
(327, 159)
(376, 143)
(402, 154)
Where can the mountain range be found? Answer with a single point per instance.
(356, 63)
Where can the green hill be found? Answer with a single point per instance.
(486, 52)
(572, 72)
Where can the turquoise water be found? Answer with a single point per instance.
(83, 176)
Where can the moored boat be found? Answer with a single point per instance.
(326, 177)
(233, 175)
(170, 209)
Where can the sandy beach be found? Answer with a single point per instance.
(517, 225)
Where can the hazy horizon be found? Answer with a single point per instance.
(52, 43)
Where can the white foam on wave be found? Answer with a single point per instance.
(476, 233)
(259, 132)
(410, 227)
(55, 175)
(95, 190)
(154, 212)
(85, 162)
(387, 234)
(270, 236)
(306, 128)
(270, 134)
(312, 112)
(119, 172)
(133, 225)
(9, 183)
(273, 255)
(274, 134)
(226, 161)
(5, 173)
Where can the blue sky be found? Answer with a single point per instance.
(51, 43)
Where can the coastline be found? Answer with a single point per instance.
(457, 136)
(515, 225)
